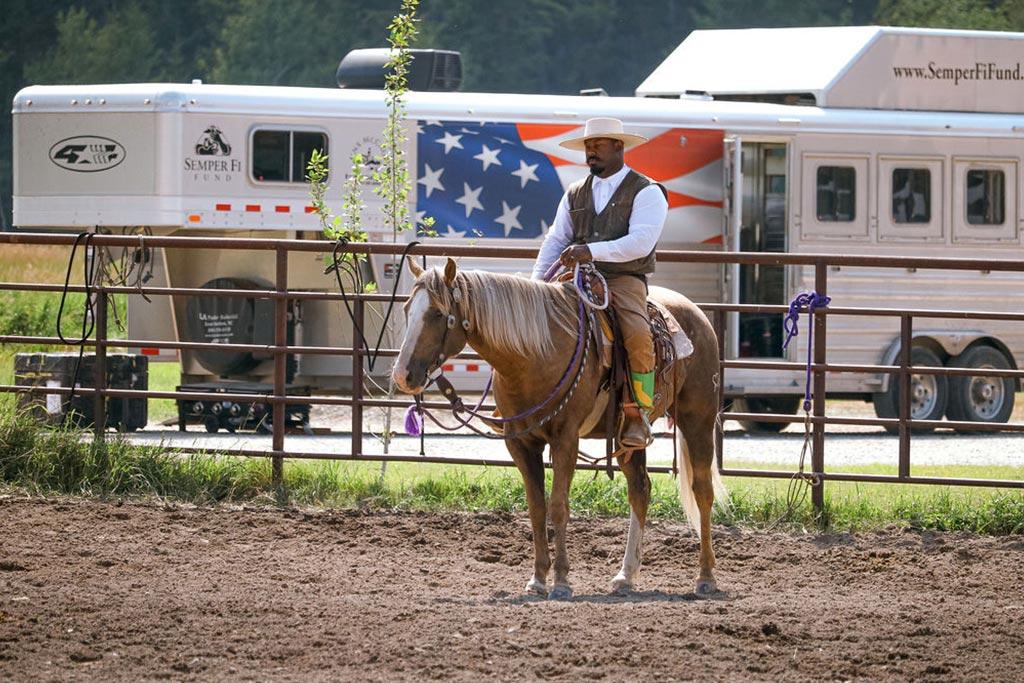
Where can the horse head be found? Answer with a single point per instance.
(435, 326)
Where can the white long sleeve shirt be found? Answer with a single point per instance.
(646, 222)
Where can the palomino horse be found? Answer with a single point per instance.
(527, 331)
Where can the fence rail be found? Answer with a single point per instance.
(816, 421)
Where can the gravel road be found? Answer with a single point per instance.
(844, 445)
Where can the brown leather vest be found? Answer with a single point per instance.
(612, 223)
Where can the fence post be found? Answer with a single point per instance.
(99, 403)
(906, 342)
(818, 438)
(280, 364)
(358, 320)
(719, 325)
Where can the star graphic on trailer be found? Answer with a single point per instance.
(509, 218)
(449, 141)
(489, 157)
(526, 173)
(431, 179)
(470, 199)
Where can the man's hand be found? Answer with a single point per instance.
(575, 253)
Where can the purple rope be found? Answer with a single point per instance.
(811, 300)
(552, 270)
(415, 413)
(580, 340)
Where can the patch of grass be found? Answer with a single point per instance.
(59, 461)
(46, 460)
(163, 376)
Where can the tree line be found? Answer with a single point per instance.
(530, 46)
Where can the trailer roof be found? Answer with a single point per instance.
(865, 67)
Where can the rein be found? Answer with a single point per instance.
(458, 408)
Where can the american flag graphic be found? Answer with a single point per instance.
(504, 180)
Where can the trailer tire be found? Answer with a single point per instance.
(228, 320)
(929, 394)
(786, 405)
(978, 398)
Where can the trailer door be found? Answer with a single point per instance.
(732, 181)
(762, 228)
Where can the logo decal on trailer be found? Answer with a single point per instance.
(87, 153)
(213, 143)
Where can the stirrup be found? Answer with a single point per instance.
(635, 429)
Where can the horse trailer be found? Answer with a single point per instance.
(864, 140)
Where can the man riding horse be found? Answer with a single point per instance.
(614, 218)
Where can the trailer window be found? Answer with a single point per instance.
(837, 194)
(911, 195)
(282, 155)
(986, 197)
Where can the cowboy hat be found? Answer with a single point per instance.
(603, 128)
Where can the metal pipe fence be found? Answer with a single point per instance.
(816, 420)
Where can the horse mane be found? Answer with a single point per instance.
(515, 314)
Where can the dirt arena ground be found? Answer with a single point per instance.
(95, 591)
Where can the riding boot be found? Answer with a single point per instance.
(636, 432)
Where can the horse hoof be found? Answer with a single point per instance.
(706, 588)
(560, 593)
(621, 585)
(536, 587)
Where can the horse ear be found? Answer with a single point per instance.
(449, 272)
(415, 268)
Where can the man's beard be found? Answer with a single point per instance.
(596, 170)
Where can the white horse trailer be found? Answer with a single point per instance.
(860, 140)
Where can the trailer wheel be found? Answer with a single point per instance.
(786, 405)
(929, 394)
(978, 398)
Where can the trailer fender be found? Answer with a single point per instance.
(946, 345)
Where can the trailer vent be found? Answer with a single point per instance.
(437, 70)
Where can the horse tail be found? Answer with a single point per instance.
(685, 477)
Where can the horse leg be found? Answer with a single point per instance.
(530, 463)
(635, 468)
(563, 462)
(699, 455)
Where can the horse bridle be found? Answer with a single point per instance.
(435, 374)
(435, 370)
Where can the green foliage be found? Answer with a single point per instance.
(392, 177)
(295, 42)
(546, 46)
(964, 14)
(44, 460)
(346, 227)
(775, 13)
(27, 316)
(87, 52)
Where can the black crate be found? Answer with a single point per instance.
(255, 415)
(124, 371)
